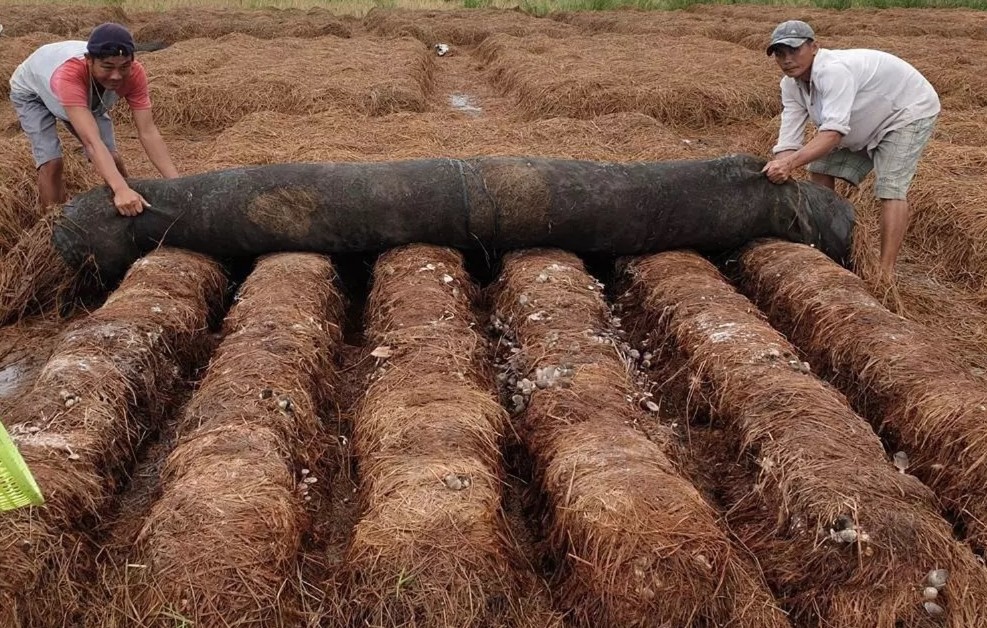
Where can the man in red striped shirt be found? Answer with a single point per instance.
(78, 82)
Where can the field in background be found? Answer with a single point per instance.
(535, 7)
(390, 440)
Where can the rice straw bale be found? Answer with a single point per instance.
(105, 387)
(200, 83)
(267, 138)
(679, 81)
(830, 517)
(459, 27)
(635, 542)
(899, 374)
(184, 23)
(220, 544)
(63, 21)
(432, 547)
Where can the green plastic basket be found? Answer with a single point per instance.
(17, 486)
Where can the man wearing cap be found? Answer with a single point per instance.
(872, 111)
(78, 82)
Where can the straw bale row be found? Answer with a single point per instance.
(898, 373)
(635, 543)
(678, 81)
(65, 22)
(221, 542)
(900, 22)
(844, 539)
(210, 84)
(106, 386)
(726, 22)
(431, 547)
(268, 137)
(948, 224)
(169, 27)
(459, 28)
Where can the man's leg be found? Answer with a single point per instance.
(38, 124)
(894, 224)
(119, 162)
(840, 164)
(896, 160)
(826, 180)
(51, 183)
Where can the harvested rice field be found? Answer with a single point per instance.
(432, 437)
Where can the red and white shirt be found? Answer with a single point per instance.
(59, 75)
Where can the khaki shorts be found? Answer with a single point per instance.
(894, 160)
(39, 125)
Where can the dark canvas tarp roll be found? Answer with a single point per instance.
(494, 203)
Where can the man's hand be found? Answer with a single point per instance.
(779, 170)
(129, 202)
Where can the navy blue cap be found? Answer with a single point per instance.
(110, 40)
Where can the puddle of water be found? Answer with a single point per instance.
(11, 379)
(464, 103)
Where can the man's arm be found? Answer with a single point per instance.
(794, 117)
(836, 89)
(153, 144)
(780, 168)
(127, 201)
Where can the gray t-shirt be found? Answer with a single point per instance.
(861, 94)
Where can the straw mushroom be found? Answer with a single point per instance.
(934, 609)
(457, 481)
(901, 461)
(937, 578)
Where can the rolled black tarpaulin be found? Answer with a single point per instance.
(496, 203)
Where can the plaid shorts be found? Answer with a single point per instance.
(39, 125)
(894, 160)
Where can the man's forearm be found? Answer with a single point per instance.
(105, 166)
(819, 146)
(157, 152)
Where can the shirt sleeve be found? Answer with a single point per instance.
(136, 91)
(794, 117)
(836, 90)
(70, 84)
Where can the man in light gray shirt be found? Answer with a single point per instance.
(872, 111)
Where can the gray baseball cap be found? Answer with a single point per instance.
(792, 33)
